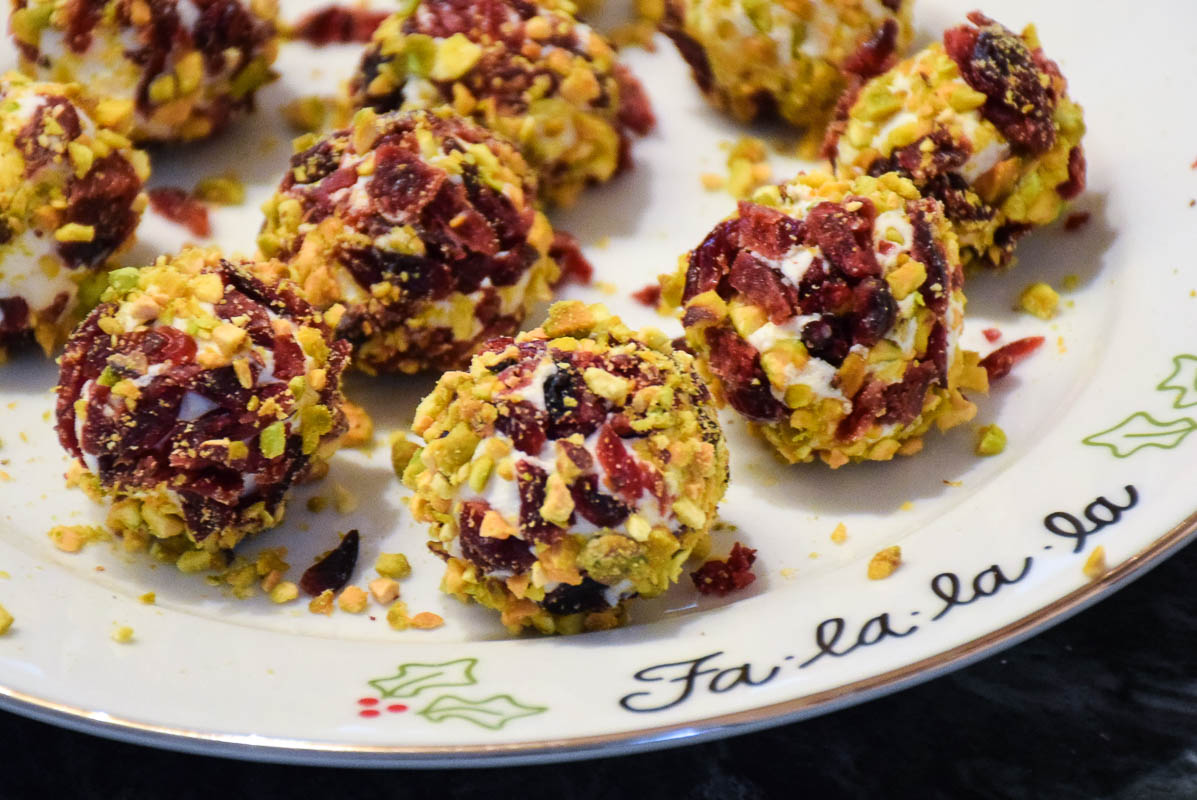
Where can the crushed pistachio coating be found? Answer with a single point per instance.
(789, 57)
(161, 70)
(532, 74)
(193, 398)
(999, 144)
(421, 228)
(569, 470)
(827, 313)
(70, 199)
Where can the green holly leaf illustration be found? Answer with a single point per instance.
(1182, 380)
(1141, 430)
(415, 678)
(493, 712)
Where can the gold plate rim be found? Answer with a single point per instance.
(299, 751)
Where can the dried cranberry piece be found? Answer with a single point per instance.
(845, 237)
(235, 304)
(721, 577)
(874, 311)
(512, 554)
(176, 205)
(320, 194)
(572, 407)
(338, 25)
(420, 278)
(102, 199)
(575, 267)
(456, 226)
(525, 425)
(944, 157)
(937, 351)
(635, 112)
(403, 184)
(14, 315)
(763, 286)
(205, 517)
(1005, 238)
(996, 62)
(867, 406)
(29, 138)
(533, 526)
(318, 162)
(999, 363)
(1076, 221)
(507, 221)
(767, 231)
(904, 400)
(828, 338)
(167, 344)
(82, 20)
(689, 48)
(485, 18)
(222, 386)
(334, 569)
(597, 507)
(578, 454)
(220, 487)
(877, 53)
(157, 412)
(738, 365)
(1076, 174)
(626, 475)
(288, 357)
(225, 25)
(925, 249)
(710, 261)
(650, 295)
(588, 596)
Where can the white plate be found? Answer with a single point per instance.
(1099, 424)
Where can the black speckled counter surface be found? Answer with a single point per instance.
(1102, 706)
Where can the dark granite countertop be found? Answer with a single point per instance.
(1102, 706)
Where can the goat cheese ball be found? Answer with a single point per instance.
(531, 73)
(170, 70)
(755, 58)
(70, 199)
(571, 469)
(420, 229)
(982, 122)
(827, 313)
(194, 397)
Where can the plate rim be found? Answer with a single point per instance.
(250, 747)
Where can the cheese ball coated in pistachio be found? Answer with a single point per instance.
(755, 58)
(982, 122)
(70, 199)
(420, 228)
(165, 70)
(570, 470)
(194, 397)
(531, 73)
(827, 313)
